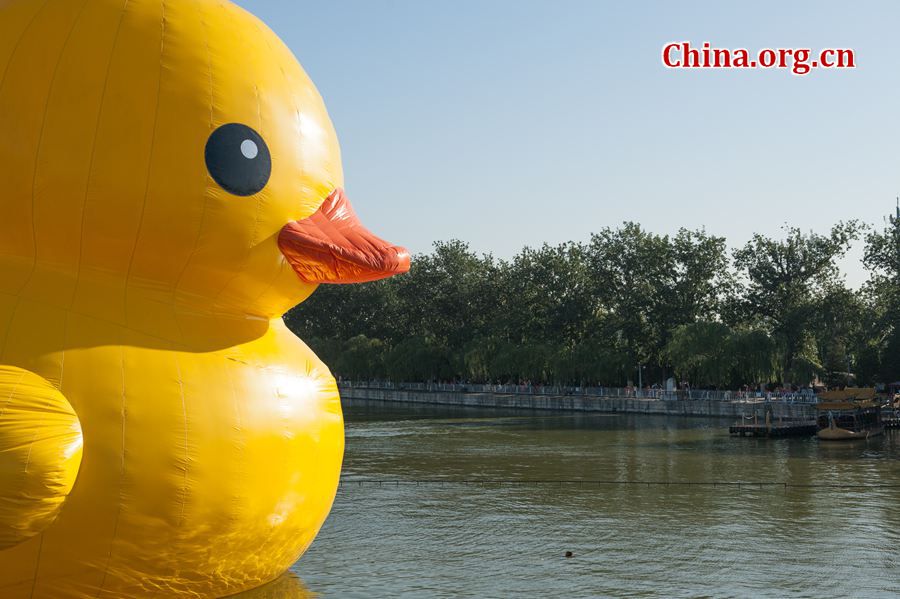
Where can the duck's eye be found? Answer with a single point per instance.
(238, 159)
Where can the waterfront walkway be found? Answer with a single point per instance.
(617, 392)
(584, 399)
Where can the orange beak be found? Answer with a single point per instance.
(332, 246)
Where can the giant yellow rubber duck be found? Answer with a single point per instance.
(170, 184)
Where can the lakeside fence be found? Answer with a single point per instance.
(606, 392)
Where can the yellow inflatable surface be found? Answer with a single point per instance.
(171, 185)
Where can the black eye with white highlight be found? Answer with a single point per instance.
(238, 159)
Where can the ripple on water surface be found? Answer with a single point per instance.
(493, 539)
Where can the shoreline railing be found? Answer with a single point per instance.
(615, 392)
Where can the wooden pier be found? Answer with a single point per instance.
(803, 428)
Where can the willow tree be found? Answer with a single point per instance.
(699, 352)
(754, 357)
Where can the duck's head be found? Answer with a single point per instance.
(174, 146)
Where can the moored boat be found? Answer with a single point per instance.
(851, 413)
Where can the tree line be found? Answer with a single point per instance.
(775, 311)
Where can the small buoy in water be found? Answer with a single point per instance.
(569, 554)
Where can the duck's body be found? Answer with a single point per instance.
(171, 188)
(209, 465)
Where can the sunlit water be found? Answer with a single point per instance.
(501, 540)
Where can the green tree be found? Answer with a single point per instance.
(755, 357)
(699, 352)
(362, 358)
(836, 326)
(646, 285)
(784, 280)
(418, 359)
(449, 295)
(712, 353)
(882, 259)
(547, 299)
(590, 313)
(344, 311)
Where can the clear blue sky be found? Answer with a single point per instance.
(507, 123)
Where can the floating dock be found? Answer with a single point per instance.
(804, 428)
(794, 428)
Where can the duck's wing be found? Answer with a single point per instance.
(40, 453)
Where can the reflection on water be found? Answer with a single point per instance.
(288, 586)
(498, 540)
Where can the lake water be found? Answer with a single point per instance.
(412, 536)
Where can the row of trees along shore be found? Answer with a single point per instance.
(775, 311)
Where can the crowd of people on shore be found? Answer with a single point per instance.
(681, 391)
